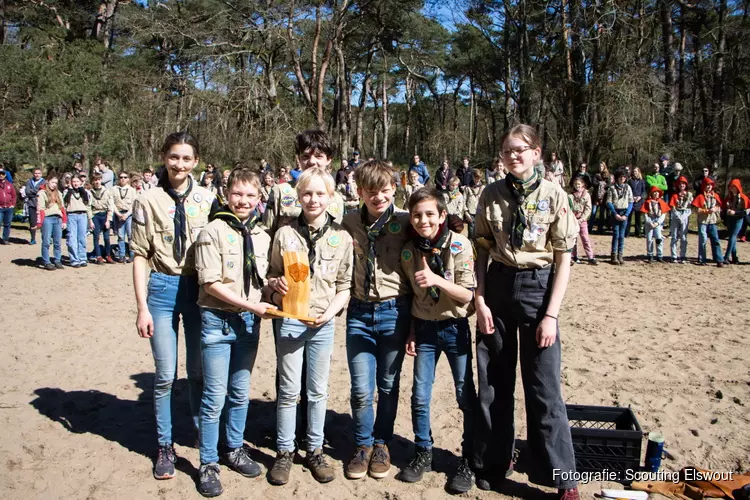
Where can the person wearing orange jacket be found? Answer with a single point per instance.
(656, 211)
(680, 203)
(708, 204)
(736, 205)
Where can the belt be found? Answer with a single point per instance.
(506, 269)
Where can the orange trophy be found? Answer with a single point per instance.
(296, 302)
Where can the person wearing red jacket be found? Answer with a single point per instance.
(708, 204)
(736, 205)
(7, 205)
(656, 211)
(680, 203)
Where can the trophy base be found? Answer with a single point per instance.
(281, 314)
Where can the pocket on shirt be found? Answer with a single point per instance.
(231, 263)
(329, 264)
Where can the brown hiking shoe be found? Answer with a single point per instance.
(279, 473)
(380, 463)
(360, 462)
(321, 471)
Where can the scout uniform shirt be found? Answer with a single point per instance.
(76, 205)
(388, 280)
(403, 193)
(458, 263)
(581, 205)
(123, 198)
(331, 270)
(455, 203)
(471, 198)
(153, 228)
(219, 257)
(283, 207)
(550, 225)
(622, 199)
(101, 201)
(43, 204)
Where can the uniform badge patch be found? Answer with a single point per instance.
(230, 264)
(449, 275)
(197, 198)
(394, 227)
(205, 207)
(334, 241)
(171, 211)
(542, 205)
(192, 211)
(406, 255)
(333, 208)
(287, 200)
(457, 247)
(168, 238)
(232, 238)
(532, 206)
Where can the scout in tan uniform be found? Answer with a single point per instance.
(231, 259)
(404, 192)
(52, 220)
(454, 199)
(440, 266)
(526, 228)
(378, 317)
(167, 221)
(78, 208)
(329, 250)
(313, 149)
(102, 210)
(472, 193)
(123, 196)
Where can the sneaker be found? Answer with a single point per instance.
(110, 260)
(683, 261)
(720, 264)
(420, 463)
(32, 242)
(569, 494)
(743, 239)
(463, 480)
(59, 265)
(239, 460)
(593, 262)
(99, 261)
(321, 471)
(660, 260)
(360, 463)
(279, 473)
(573, 262)
(487, 479)
(3, 242)
(209, 484)
(164, 466)
(380, 463)
(83, 264)
(650, 259)
(50, 267)
(675, 261)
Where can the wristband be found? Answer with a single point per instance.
(550, 316)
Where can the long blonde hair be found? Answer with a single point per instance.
(53, 195)
(637, 170)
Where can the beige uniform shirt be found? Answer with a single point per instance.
(283, 207)
(551, 225)
(220, 257)
(77, 205)
(351, 198)
(620, 202)
(101, 201)
(404, 193)
(123, 198)
(389, 280)
(581, 205)
(471, 197)
(153, 228)
(456, 205)
(458, 262)
(332, 268)
(42, 204)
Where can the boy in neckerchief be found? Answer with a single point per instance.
(736, 205)
(656, 211)
(680, 203)
(405, 191)
(231, 258)
(620, 203)
(378, 317)
(708, 204)
(580, 200)
(102, 208)
(454, 200)
(472, 192)
(440, 267)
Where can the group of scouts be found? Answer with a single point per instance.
(709, 206)
(408, 283)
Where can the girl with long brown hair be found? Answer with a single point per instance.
(52, 220)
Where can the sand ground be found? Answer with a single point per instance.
(76, 418)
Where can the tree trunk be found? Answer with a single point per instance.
(407, 126)
(384, 108)
(667, 34)
(681, 94)
(359, 144)
(718, 129)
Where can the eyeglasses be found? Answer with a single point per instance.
(516, 151)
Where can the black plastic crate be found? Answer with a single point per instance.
(605, 438)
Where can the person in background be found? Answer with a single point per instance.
(708, 205)
(557, 168)
(472, 193)
(7, 204)
(78, 209)
(209, 182)
(671, 172)
(265, 167)
(354, 162)
(52, 221)
(136, 182)
(148, 177)
(297, 171)
(601, 183)
(443, 177)
(736, 205)
(580, 201)
(656, 211)
(698, 182)
(284, 176)
(583, 174)
(495, 172)
(108, 176)
(265, 189)
(31, 191)
(421, 169)
(465, 173)
(680, 204)
(454, 200)
(341, 172)
(348, 191)
(123, 196)
(102, 210)
(638, 188)
(620, 203)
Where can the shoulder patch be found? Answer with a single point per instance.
(139, 214)
(457, 247)
(232, 238)
(334, 241)
(406, 255)
(287, 200)
(192, 211)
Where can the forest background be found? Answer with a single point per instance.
(622, 81)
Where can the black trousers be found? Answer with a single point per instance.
(518, 300)
(32, 222)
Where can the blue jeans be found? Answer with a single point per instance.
(619, 230)
(52, 228)
(295, 341)
(78, 224)
(170, 297)
(734, 224)
(6, 218)
(123, 228)
(711, 232)
(375, 340)
(453, 337)
(229, 344)
(654, 233)
(100, 221)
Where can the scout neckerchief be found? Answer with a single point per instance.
(654, 207)
(372, 233)
(250, 268)
(433, 249)
(304, 230)
(520, 190)
(81, 192)
(682, 200)
(180, 222)
(710, 201)
(100, 194)
(620, 190)
(453, 194)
